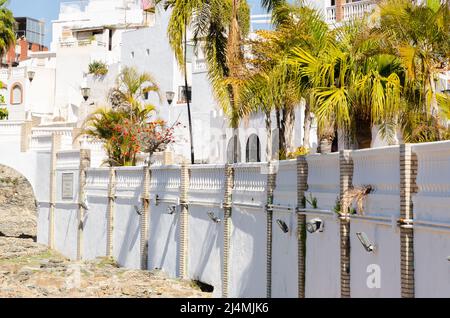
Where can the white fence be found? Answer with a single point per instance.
(263, 244)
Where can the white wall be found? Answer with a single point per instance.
(163, 246)
(432, 221)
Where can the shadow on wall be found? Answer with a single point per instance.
(167, 236)
(211, 250)
(127, 239)
(249, 235)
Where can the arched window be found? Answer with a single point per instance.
(253, 152)
(232, 155)
(16, 94)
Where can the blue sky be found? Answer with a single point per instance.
(38, 9)
(48, 10)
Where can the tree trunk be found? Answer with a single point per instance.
(289, 120)
(325, 145)
(269, 150)
(282, 135)
(307, 126)
(187, 97)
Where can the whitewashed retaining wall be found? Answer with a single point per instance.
(248, 234)
(206, 194)
(285, 250)
(432, 220)
(126, 234)
(163, 246)
(248, 243)
(379, 168)
(66, 210)
(322, 248)
(96, 219)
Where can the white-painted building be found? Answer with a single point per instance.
(120, 33)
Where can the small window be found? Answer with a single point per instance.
(132, 55)
(16, 94)
(233, 150)
(182, 96)
(253, 151)
(147, 51)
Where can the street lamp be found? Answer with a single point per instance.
(170, 96)
(31, 75)
(85, 92)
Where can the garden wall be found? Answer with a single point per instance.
(243, 228)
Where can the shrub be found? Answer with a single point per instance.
(98, 68)
(300, 151)
(3, 113)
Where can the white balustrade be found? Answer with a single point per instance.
(433, 173)
(323, 180)
(129, 177)
(285, 193)
(357, 10)
(206, 183)
(379, 167)
(250, 183)
(165, 178)
(97, 178)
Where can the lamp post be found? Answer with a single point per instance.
(31, 75)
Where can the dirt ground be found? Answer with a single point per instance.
(28, 269)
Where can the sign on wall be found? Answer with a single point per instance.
(67, 186)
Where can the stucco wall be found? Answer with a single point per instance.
(248, 242)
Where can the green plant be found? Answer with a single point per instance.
(98, 68)
(312, 201)
(4, 113)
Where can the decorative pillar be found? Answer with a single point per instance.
(408, 173)
(76, 134)
(25, 136)
(111, 202)
(346, 180)
(340, 10)
(85, 163)
(184, 219)
(56, 146)
(145, 218)
(227, 209)
(271, 184)
(302, 187)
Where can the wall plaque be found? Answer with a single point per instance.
(67, 186)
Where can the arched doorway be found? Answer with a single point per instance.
(253, 151)
(233, 157)
(18, 213)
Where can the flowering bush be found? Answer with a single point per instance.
(3, 113)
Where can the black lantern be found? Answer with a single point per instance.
(170, 96)
(85, 92)
(31, 75)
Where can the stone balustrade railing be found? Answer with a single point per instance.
(379, 168)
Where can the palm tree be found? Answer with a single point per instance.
(219, 26)
(127, 114)
(275, 84)
(353, 83)
(7, 27)
(419, 34)
(130, 88)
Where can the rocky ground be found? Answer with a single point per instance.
(17, 205)
(28, 269)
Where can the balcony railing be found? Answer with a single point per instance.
(80, 43)
(355, 10)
